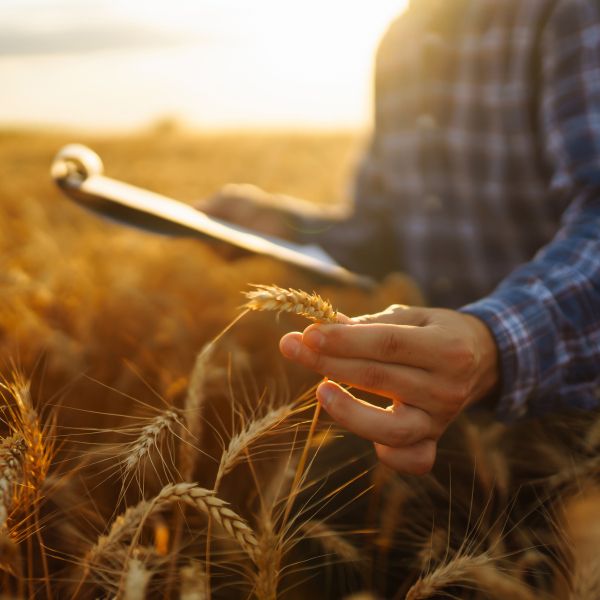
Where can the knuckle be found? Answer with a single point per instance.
(450, 398)
(390, 345)
(373, 377)
(462, 356)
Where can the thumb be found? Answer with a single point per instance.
(396, 314)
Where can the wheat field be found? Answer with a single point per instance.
(155, 445)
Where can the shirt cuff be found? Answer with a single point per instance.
(525, 336)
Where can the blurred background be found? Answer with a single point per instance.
(215, 64)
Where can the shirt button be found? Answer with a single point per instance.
(432, 203)
(426, 122)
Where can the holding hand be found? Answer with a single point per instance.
(431, 363)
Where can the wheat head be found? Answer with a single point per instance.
(12, 459)
(189, 493)
(136, 580)
(331, 540)
(274, 298)
(150, 437)
(253, 431)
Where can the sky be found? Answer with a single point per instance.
(213, 64)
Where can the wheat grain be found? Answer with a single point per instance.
(150, 437)
(274, 298)
(12, 458)
(331, 540)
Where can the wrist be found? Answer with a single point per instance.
(486, 360)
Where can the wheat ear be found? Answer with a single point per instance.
(192, 582)
(251, 433)
(194, 401)
(189, 493)
(274, 298)
(585, 582)
(150, 437)
(477, 572)
(136, 580)
(12, 458)
(331, 540)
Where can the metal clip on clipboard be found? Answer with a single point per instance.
(78, 171)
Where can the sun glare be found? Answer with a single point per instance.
(214, 63)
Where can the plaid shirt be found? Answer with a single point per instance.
(483, 182)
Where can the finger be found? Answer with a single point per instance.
(397, 314)
(405, 384)
(417, 459)
(400, 426)
(399, 344)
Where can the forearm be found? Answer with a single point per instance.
(545, 319)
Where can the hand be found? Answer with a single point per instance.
(431, 363)
(248, 206)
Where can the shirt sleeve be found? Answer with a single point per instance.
(545, 316)
(364, 241)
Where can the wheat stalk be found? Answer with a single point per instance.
(150, 437)
(268, 560)
(12, 459)
(274, 298)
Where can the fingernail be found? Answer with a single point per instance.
(289, 347)
(326, 395)
(314, 339)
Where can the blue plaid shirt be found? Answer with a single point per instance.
(482, 180)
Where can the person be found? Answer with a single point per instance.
(482, 180)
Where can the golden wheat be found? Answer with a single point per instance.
(188, 493)
(274, 298)
(194, 401)
(253, 431)
(149, 438)
(137, 578)
(12, 458)
(193, 581)
(331, 540)
(477, 572)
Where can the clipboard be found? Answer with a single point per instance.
(79, 173)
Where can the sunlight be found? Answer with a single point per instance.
(212, 63)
